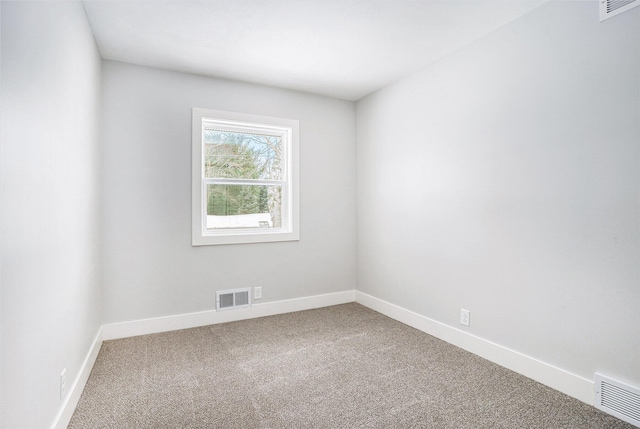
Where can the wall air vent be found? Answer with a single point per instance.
(618, 399)
(609, 8)
(237, 298)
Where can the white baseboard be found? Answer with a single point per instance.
(71, 401)
(556, 378)
(192, 320)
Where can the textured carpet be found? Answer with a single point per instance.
(337, 367)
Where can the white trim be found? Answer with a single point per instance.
(556, 378)
(289, 130)
(192, 320)
(63, 418)
(549, 375)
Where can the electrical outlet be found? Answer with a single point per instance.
(257, 292)
(63, 383)
(465, 317)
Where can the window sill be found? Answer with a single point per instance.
(244, 237)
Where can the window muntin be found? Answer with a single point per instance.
(246, 185)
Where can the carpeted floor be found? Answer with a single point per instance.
(337, 367)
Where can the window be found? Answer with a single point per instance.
(245, 178)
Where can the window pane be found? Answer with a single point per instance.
(229, 154)
(244, 206)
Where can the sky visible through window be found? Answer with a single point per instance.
(243, 156)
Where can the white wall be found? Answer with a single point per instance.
(505, 179)
(49, 207)
(150, 267)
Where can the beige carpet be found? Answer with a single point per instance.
(337, 367)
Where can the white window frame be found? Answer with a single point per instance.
(288, 129)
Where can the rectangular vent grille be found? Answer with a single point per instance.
(618, 399)
(609, 8)
(237, 298)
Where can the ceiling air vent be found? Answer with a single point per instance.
(237, 298)
(618, 399)
(609, 8)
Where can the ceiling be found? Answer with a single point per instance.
(339, 48)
